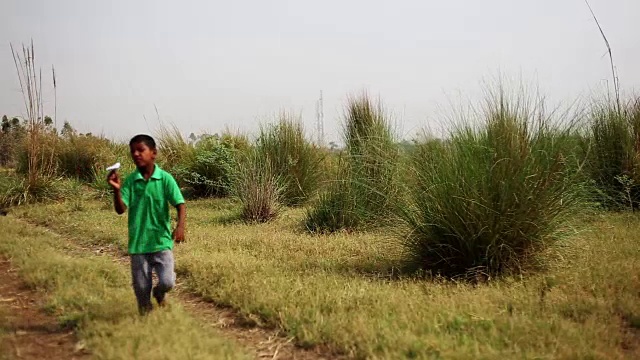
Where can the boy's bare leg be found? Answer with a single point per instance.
(142, 281)
(163, 264)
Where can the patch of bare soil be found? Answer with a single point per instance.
(31, 333)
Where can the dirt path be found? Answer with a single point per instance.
(265, 343)
(31, 333)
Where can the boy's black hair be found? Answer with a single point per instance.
(145, 139)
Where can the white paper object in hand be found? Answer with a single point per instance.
(115, 166)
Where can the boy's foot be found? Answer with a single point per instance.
(161, 299)
(163, 304)
(144, 310)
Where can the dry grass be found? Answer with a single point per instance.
(343, 289)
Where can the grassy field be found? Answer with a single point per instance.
(343, 290)
(87, 292)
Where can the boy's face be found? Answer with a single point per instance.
(142, 155)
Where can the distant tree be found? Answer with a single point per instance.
(6, 125)
(67, 130)
(11, 136)
(407, 145)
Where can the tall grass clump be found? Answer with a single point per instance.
(15, 189)
(366, 188)
(174, 149)
(12, 189)
(493, 195)
(79, 156)
(257, 186)
(614, 153)
(294, 159)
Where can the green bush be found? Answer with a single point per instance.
(209, 170)
(293, 159)
(613, 149)
(367, 178)
(493, 195)
(203, 165)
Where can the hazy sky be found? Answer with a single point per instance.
(208, 65)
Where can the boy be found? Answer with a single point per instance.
(147, 193)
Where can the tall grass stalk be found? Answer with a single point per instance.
(495, 194)
(40, 141)
(614, 74)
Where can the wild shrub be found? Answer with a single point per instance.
(204, 164)
(209, 172)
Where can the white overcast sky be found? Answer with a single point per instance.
(208, 65)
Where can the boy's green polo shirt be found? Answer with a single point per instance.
(148, 204)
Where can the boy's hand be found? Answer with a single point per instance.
(178, 234)
(114, 180)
